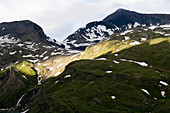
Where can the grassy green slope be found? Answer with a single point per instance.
(91, 84)
(155, 52)
(25, 67)
(105, 47)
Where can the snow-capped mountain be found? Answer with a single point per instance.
(25, 40)
(119, 21)
(127, 72)
(25, 31)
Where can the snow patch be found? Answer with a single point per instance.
(127, 38)
(43, 54)
(24, 77)
(26, 56)
(45, 58)
(12, 53)
(97, 33)
(51, 68)
(116, 62)
(130, 26)
(82, 44)
(163, 83)
(152, 27)
(20, 45)
(108, 71)
(135, 43)
(74, 51)
(3, 28)
(155, 98)
(113, 97)
(101, 59)
(27, 42)
(101, 28)
(136, 24)
(47, 47)
(33, 61)
(143, 39)
(163, 93)
(140, 63)
(167, 34)
(145, 29)
(145, 91)
(158, 32)
(56, 81)
(6, 39)
(67, 76)
(37, 69)
(56, 53)
(116, 54)
(125, 32)
(165, 26)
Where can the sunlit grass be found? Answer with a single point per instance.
(25, 67)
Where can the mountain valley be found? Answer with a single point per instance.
(120, 64)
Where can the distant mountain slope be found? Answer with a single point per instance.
(25, 40)
(119, 74)
(134, 79)
(24, 31)
(116, 42)
(117, 22)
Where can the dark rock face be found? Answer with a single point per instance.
(13, 86)
(117, 22)
(123, 17)
(27, 31)
(23, 30)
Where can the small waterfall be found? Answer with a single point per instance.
(6, 109)
(25, 111)
(39, 78)
(19, 101)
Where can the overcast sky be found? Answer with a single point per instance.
(60, 18)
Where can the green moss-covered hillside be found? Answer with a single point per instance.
(134, 80)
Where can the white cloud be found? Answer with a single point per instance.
(59, 18)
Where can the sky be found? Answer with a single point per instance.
(60, 18)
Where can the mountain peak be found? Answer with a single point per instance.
(119, 13)
(19, 22)
(120, 10)
(118, 21)
(23, 30)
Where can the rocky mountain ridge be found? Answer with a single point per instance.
(25, 40)
(25, 31)
(117, 22)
